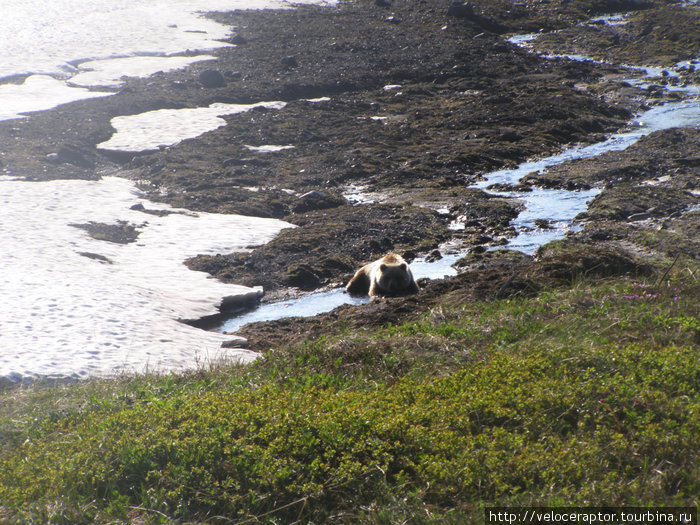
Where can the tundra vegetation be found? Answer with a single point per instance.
(578, 394)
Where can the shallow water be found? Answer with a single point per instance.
(556, 207)
(305, 306)
(617, 19)
(559, 207)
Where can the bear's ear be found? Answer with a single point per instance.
(404, 266)
(382, 267)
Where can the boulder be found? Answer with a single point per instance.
(212, 78)
(316, 200)
(302, 276)
(241, 303)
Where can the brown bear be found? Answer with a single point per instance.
(388, 276)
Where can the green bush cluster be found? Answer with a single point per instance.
(509, 402)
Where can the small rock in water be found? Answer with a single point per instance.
(409, 255)
(241, 303)
(433, 256)
(505, 187)
(236, 341)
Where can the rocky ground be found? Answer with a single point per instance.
(417, 101)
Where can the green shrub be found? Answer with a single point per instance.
(511, 402)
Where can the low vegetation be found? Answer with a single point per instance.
(586, 395)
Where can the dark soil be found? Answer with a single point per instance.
(121, 233)
(327, 245)
(659, 36)
(420, 100)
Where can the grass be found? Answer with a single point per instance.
(583, 395)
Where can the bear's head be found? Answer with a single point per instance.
(394, 278)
